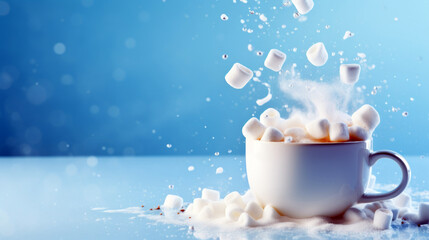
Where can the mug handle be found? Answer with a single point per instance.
(406, 175)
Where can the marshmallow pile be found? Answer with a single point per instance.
(271, 127)
(245, 211)
(242, 210)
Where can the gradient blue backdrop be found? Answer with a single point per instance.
(139, 75)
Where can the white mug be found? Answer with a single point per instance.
(303, 180)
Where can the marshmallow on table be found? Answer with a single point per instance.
(218, 208)
(349, 73)
(424, 212)
(234, 198)
(272, 135)
(270, 213)
(270, 117)
(233, 212)
(338, 132)
(296, 133)
(318, 129)
(190, 209)
(403, 200)
(412, 218)
(366, 117)
(210, 194)
(206, 213)
(247, 221)
(253, 129)
(275, 60)
(402, 212)
(358, 134)
(368, 213)
(303, 6)
(199, 204)
(382, 219)
(238, 76)
(254, 210)
(317, 54)
(395, 210)
(353, 215)
(173, 202)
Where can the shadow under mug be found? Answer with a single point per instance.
(303, 180)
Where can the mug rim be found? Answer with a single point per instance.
(309, 143)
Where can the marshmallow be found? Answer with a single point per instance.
(349, 73)
(233, 212)
(338, 132)
(371, 182)
(382, 219)
(190, 209)
(206, 213)
(303, 6)
(173, 201)
(296, 133)
(247, 221)
(270, 213)
(424, 212)
(210, 194)
(234, 198)
(317, 54)
(272, 135)
(353, 215)
(412, 218)
(253, 129)
(254, 210)
(403, 200)
(318, 129)
(248, 196)
(366, 117)
(199, 204)
(218, 208)
(270, 117)
(402, 212)
(368, 213)
(358, 134)
(394, 210)
(238, 76)
(291, 122)
(275, 60)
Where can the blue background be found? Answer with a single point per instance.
(136, 75)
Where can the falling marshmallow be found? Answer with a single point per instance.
(234, 198)
(173, 202)
(348, 34)
(247, 221)
(317, 54)
(199, 204)
(358, 134)
(270, 213)
(233, 212)
(275, 60)
(303, 6)
(296, 133)
(253, 129)
(338, 132)
(424, 212)
(272, 135)
(318, 129)
(402, 201)
(366, 117)
(238, 76)
(254, 210)
(382, 219)
(210, 194)
(353, 215)
(349, 73)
